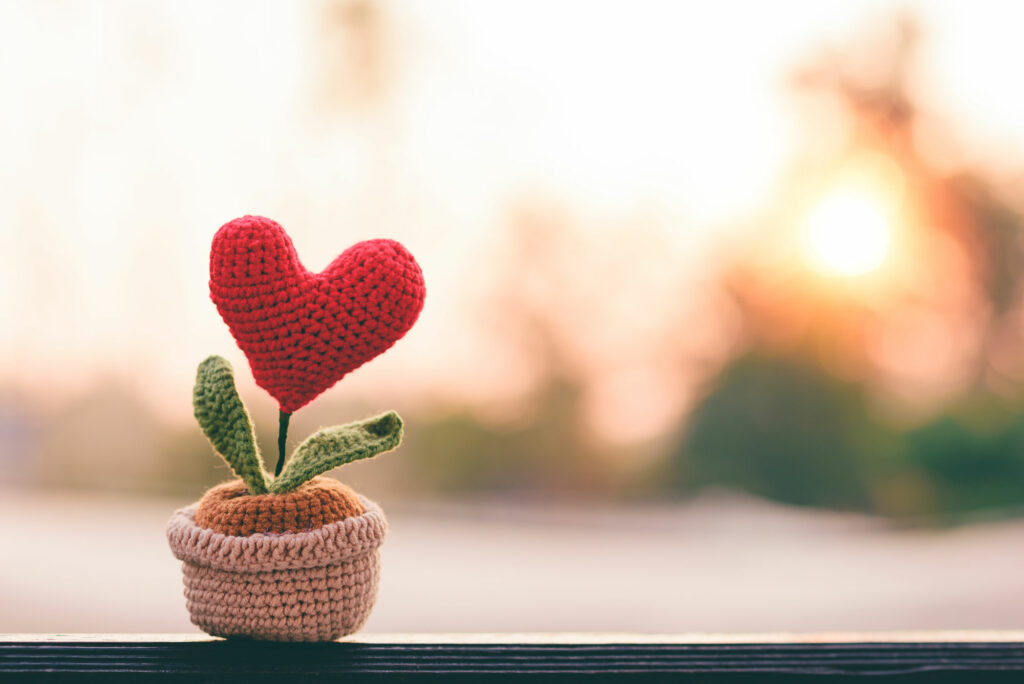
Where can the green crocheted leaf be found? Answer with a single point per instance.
(335, 446)
(226, 423)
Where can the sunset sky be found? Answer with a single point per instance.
(131, 131)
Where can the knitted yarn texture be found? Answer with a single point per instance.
(229, 509)
(226, 423)
(332, 447)
(304, 331)
(316, 585)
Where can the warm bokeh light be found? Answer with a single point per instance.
(848, 234)
(689, 301)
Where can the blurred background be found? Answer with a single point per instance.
(723, 328)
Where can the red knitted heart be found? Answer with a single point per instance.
(304, 331)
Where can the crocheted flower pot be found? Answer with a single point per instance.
(291, 556)
(299, 566)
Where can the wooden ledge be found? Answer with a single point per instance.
(915, 657)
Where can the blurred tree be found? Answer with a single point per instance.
(110, 438)
(462, 453)
(967, 242)
(538, 444)
(790, 416)
(972, 456)
(783, 428)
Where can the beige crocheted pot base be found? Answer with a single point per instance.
(297, 586)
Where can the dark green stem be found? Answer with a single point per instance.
(282, 435)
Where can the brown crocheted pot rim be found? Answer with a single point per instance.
(333, 543)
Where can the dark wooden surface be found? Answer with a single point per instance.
(996, 657)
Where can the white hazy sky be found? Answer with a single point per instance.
(130, 131)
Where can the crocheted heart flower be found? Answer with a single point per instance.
(303, 331)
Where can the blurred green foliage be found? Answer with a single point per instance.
(783, 429)
(972, 457)
(786, 429)
(772, 420)
(458, 452)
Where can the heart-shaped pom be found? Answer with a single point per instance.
(302, 331)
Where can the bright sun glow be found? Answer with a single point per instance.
(848, 234)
